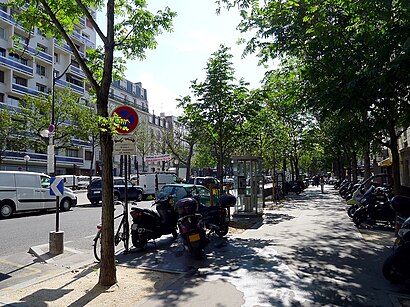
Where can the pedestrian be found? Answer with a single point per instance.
(322, 184)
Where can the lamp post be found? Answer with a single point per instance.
(51, 167)
(26, 159)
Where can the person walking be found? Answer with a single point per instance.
(322, 184)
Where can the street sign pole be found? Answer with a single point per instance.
(126, 224)
(56, 238)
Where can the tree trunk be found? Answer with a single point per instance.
(366, 159)
(395, 162)
(354, 166)
(107, 264)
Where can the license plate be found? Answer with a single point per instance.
(97, 192)
(195, 237)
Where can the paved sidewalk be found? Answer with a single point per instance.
(306, 252)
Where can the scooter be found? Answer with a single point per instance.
(216, 218)
(148, 224)
(191, 226)
(376, 208)
(396, 267)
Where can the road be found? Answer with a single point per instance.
(22, 231)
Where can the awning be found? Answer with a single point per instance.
(385, 162)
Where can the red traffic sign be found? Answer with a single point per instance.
(126, 112)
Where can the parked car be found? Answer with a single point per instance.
(26, 191)
(94, 191)
(70, 181)
(204, 181)
(84, 181)
(148, 181)
(182, 190)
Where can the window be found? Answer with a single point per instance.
(41, 87)
(18, 58)
(72, 80)
(72, 153)
(20, 81)
(86, 35)
(40, 70)
(2, 52)
(88, 155)
(56, 58)
(13, 101)
(27, 181)
(89, 24)
(1, 97)
(42, 48)
(1, 76)
(2, 33)
(23, 39)
(75, 63)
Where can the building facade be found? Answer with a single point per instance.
(32, 72)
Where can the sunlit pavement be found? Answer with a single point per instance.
(307, 252)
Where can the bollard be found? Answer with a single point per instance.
(56, 242)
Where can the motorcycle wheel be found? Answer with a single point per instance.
(359, 217)
(351, 211)
(393, 268)
(223, 230)
(97, 246)
(138, 241)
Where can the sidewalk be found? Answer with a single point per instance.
(306, 252)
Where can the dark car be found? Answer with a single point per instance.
(182, 190)
(94, 190)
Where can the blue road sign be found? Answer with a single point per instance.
(56, 186)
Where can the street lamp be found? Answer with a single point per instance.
(26, 158)
(51, 167)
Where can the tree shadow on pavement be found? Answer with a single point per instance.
(317, 259)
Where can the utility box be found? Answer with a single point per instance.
(249, 183)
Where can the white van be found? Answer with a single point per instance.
(25, 191)
(70, 181)
(147, 181)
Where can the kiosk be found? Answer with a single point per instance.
(247, 171)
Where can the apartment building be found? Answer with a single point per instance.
(31, 73)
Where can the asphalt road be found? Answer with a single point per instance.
(22, 231)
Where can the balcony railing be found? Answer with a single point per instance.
(127, 102)
(77, 71)
(16, 65)
(74, 87)
(25, 90)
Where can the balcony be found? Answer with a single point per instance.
(127, 102)
(25, 90)
(82, 21)
(6, 17)
(77, 71)
(74, 87)
(66, 48)
(83, 40)
(16, 66)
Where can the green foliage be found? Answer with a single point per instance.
(219, 106)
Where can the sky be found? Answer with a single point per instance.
(181, 56)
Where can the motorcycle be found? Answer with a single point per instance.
(148, 224)
(375, 208)
(216, 217)
(396, 268)
(191, 226)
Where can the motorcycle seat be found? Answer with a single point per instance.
(145, 210)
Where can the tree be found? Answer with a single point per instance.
(32, 119)
(131, 29)
(353, 56)
(218, 107)
(5, 132)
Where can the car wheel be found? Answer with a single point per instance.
(6, 210)
(65, 204)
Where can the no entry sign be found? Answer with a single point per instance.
(128, 113)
